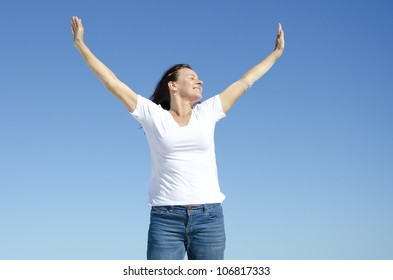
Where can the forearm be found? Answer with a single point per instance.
(106, 76)
(256, 72)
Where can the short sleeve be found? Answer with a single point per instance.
(144, 109)
(213, 106)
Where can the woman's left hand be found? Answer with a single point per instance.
(280, 42)
(77, 30)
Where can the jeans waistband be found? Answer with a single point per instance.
(187, 208)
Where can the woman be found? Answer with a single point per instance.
(184, 193)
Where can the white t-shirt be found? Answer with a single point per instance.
(184, 169)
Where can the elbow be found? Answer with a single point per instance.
(249, 85)
(245, 84)
(112, 85)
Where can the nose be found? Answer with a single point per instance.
(200, 82)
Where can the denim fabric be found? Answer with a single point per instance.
(196, 230)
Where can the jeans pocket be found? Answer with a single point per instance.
(214, 212)
(158, 211)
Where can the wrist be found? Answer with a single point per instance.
(78, 43)
(277, 53)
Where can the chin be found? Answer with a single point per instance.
(198, 97)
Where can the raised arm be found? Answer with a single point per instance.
(126, 95)
(232, 93)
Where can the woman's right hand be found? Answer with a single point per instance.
(77, 30)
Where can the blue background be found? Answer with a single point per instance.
(305, 157)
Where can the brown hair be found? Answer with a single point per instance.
(161, 93)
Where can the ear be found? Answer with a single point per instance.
(172, 85)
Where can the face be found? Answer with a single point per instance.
(188, 85)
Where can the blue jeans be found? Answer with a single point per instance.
(198, 230)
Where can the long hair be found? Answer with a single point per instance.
(161, 94)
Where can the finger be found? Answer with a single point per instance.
(75, 24)
(73, 27)
(75, 21)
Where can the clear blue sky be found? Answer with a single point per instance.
(305, 157)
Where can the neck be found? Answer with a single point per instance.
(180, 107)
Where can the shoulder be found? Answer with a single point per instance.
(145, 107)
(211, 106)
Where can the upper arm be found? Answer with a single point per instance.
(232, 93)
(125, 94)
